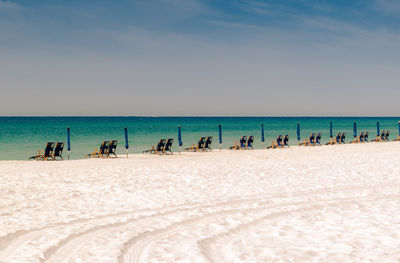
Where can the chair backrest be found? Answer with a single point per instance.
(286, 140)
(168, 145)
(200, 144)
(160, 145)
(279, 140)
(338, 137)
(318, 138)
(387, 135)
(112, 147)
(104, 147)
(250, 141)
(48, 151)
(58, 149)
(383, 135)
(312, 137)
(208, 142)
(366, 136)
(343, 138)
(243, 141)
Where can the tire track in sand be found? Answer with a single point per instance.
(134, 249)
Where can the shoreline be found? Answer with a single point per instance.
(214, 151)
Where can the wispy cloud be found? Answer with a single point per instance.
(389, 5)
(8, 5)
(254, 7)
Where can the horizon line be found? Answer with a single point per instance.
(197, 116)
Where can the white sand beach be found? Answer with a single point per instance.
(302, 204)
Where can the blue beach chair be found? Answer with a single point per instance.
(277, 144)
(286, 141)
(239, 145)
(343, 138)
(318, 139)
(250, 141)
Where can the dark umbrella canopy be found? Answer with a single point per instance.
(220, 133)
(377, 129)
(126, 139)
(298, 131)
(68, 140)
(179, 136)
(355, 129)
(262, 133)
(330, 130)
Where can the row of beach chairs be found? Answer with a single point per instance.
(362, 138)
(339, 139)
(163, 147)
(314, 139)
(106, 150)
(243, 144)
(52, 151)
(203, 144)
(281, 142)
(384, 137)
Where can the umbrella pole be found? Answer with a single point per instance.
(126, 153)
(68, 155)
(179, 150)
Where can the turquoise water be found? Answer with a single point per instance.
(21, 137)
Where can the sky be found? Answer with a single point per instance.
(200, 58)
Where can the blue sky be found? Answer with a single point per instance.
(158, 57)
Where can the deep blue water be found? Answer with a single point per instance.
(21, 137)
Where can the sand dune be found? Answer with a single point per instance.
(303, 204)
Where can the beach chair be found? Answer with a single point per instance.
(207, 144)
(241, 144)
(48, 153)
(381, 137)
(101, 152)
(112, 147)
(387, 134)
(168, 146)
(309, 141)
(335, 140)
(358, 139)
(58, 150)
(362, 137)
(366, 134)
(159, 149)
(199, 146)
(318, 139)
(286, 141)
(250, 142)
(277, 144)
(343, 138)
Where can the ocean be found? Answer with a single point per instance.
(22, 137)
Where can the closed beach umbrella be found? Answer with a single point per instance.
(68, 142)
(330, 130)
(220, 136)
(399, 127)
(298, 132)
(126, 142)
(179, 138)
(355, 130)
(262, 133)
(377, 129)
